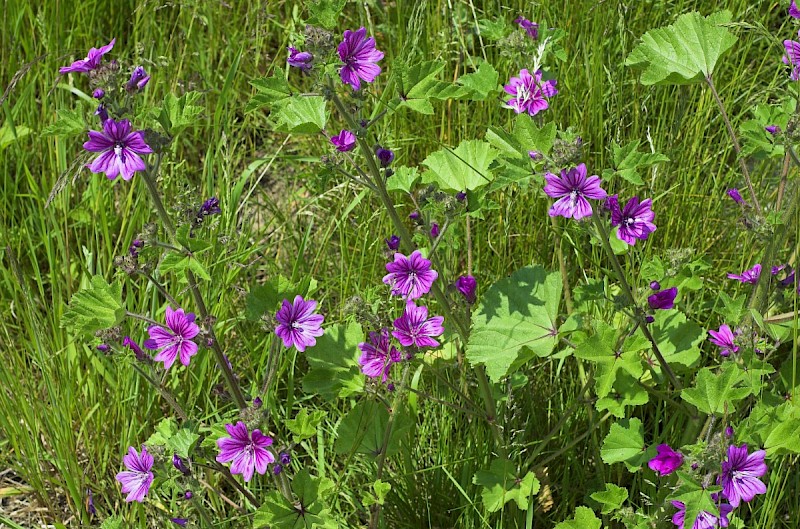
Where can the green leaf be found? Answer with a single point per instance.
(183, 442)
(363, 429)
(601, 348)
(403, 179)
(310, 512)
(501, 485)
(678, 339)
(325, 13)
(492, 29)
(333, 363)
(481, 83)
(628, 162)
(304, 425)
(627, 392)
(533, 138)
(193, 244)
(419, 85)
(732, 309)
(716, 393)
(380, 490)
(94, 307)
(584, 519)
(178, 113)
(784, 439)
(301, 114)
(611, 499)
(465, 168)
(695, 497)
(515, 321)
(270, 90)
(165, 429)
(180, 263)
(68, 123)
(112, 522)
(684, 52)
(625, 443)
(9, 134)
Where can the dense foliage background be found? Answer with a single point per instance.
(66, 412)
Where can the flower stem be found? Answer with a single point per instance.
(230, 381)
(165, 393)
(490, 406)
(638, 314)
(736, 146)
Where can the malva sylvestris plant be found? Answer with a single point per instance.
(374, 352)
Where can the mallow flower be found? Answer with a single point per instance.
(411, 276)
(138, 80)
(748, 276)
(792, 58)
(666, 461)
(531, 28)
(724, 339)
(572, 189)
(176, 341)
(137, 479)
(91, 62)
(298, 325)
(299, 59)
(248, 452)
(360, 58)
(344, 141)
(704, 520)
(635, 220)
(529, 93)
(415, 328)
(378, 355)
(794, 12)
(740, 473)
(663, 299)
(119, 149)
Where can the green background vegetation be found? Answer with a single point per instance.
(67, 413)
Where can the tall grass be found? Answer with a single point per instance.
(67, 412)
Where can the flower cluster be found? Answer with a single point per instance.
(739, 477)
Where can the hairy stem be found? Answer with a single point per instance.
(233, 387)
(638, 313)
(736, 146)
(165, 393)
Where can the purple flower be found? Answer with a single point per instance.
(729, 431)
(345, 141)
(664, 299)
(793, 11)
(299, 59)
(90, 508)
(247, 452)
(411, 276)
(133, 346)
(667, 461)
(137, 479)
(103, 347)
(119, 149)
(655, 285)
(297, 323)
(773, 129)
(378, 355)
(179, 521)
(740, 473)
(461, 196)
(792, 58)
(467, 286)
(704, 520)
(635, 220)
(748, 276)
(724, 338)
(176, 343)
(91, 61)
(284, 458)
(531, 28)
(385, 156)
(360, 57)
(736, 196)
(209, 207)
(414, 327)
(180, 464)
(572, 189)
(102, 113)
(99, 93)
(139, 79)
(434, 230)
(789, 280)
(530, 93)
(414, 215)
(393, 242)
(535, 155)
